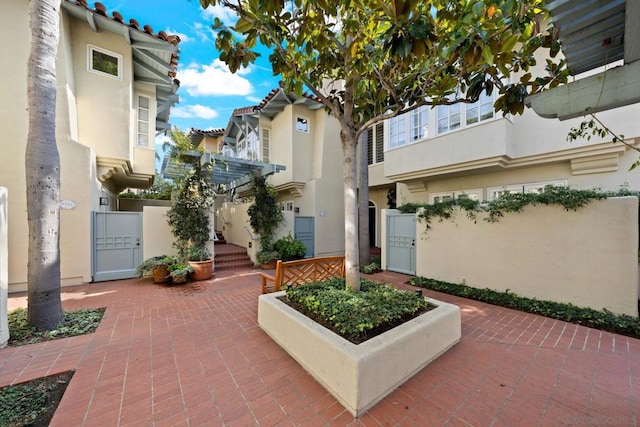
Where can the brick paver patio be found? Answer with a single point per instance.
(194, 355)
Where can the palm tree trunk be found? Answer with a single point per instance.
(42, 164)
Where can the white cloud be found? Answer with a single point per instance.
(194, 111)
(213, 80)
(226, 15)
(254, 99)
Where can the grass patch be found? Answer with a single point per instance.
(32, 403)
(76, 322)
(356, 316)
(604, 320)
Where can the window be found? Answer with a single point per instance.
(248, 144)
(375, 144)
(266, 140)
(398, 131)
(302, 124)
(418, 124)
(143, 121)
(537, 187)
(480, 110)
(105, 62)
(448, 117)
(474, 194)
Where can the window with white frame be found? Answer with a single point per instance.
(375, 144)
(248, 144)
(418, 124)
(104, 62)
(535, 187)
(266, 144)
(409, 127)
(480, 110)
(449, 117)
(144, 110)
(397, 131)
(472, 194)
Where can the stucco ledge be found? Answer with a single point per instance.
(359, 376)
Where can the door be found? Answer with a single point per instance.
(117, 249)
(401, 242)
(303, 230)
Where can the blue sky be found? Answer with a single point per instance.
(208, 91)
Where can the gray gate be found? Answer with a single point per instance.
(116, 245)
(303, 230)
(401, 243)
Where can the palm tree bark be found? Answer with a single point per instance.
(42, 164)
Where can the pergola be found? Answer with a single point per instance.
(231, 172)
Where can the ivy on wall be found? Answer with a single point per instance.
(568, 198)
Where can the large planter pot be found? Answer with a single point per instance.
(268, 265)
(202, 270)
(359, 376)
(160, 274)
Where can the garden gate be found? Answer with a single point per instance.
(401, 243)
(116, 239)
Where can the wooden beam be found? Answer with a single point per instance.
(614, 88)
(632, 31)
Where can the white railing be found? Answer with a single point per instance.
(250, 234)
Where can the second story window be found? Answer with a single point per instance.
(418, 124)
(143, 121)
(398, 131)
(248, 145)
(104, 62)
(448, 117)
(480, 110)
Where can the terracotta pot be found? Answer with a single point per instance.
(160, 274)
(268, 266)
(202, 270)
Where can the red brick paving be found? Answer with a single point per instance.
(194, 355)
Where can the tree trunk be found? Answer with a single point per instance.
(42, 164)
(352, 267)
(364, 241)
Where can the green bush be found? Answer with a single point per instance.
(357, 315)
(604, 320)
(289, 248)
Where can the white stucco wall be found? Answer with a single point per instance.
(588, 257)
(157, 238)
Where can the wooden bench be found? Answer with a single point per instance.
(303, 271)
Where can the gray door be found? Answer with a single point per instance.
(116, 239)
(303, 230)
(401, 241)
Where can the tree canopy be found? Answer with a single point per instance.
(369, 60)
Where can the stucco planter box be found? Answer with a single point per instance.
(359, 376)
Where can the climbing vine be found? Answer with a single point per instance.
(568, 198)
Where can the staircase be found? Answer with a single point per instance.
(230, 257)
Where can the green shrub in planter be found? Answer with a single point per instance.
(289, 248)
(267, 256)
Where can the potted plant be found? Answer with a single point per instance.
(265, 215)
(180, 273)
(290, 249)
(158, 266)
(200, 262)
(267, 258)
(189, 215)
